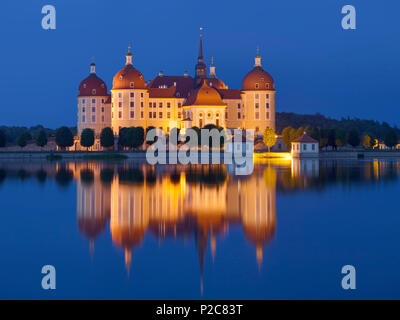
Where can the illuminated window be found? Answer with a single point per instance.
(160, 115)
(150, 114)
(141, 94)
(168, 115)
(120, 114)
(141, 104)
(83, 101)
(226, 115)
(84, 85)
(179, 105)
(160, 104)
(267, 96)
(209, 115)
(238, 105)
(83, 109)
(267, 115)
(257, 105)
(150, 104)
(154, 105)
(179, 115)
(94, 109)
(154, 114)
(141, 114)
(120, 95)
(93, 101)
(257, 96)
(168, 105)
(102, 118)
(120, 104)
(238, 115)
(267, 85)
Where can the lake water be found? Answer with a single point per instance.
(128, 230)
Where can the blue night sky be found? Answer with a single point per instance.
(317, 66)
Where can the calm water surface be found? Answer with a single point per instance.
(130, 230)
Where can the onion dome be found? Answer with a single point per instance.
(204, 96)
(258, 78)
(213, 81)
(216, 83)
(129, 77)
(92, 85)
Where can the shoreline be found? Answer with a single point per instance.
(141, 155)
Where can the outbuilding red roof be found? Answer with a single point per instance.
(306, 139)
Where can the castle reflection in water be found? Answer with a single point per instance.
(181, 201)
(174, 201)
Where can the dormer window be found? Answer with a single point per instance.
(256, 85)
(102, 85)
(94, 91)
(132, 84)
(178, 94)
(84, 85)
(267, 85)
(120, 77)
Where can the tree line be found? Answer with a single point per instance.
(339, 137)
(371, 128)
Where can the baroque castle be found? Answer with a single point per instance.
(183, 102)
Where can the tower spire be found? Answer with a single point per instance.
(201, 68)
(200, 58)
(129, 56)
(257, 60)
(92, 67)
(212, 68)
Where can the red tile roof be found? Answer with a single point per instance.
(162, 92)
(92, 86)
(183, 84)
(230, 93)
(204, 96)
(305, 138)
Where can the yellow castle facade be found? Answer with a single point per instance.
(182, 102)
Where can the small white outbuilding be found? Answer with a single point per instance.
(305, 146)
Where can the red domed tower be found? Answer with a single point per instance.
(258, 93)
(128, 95)
(93, 103)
